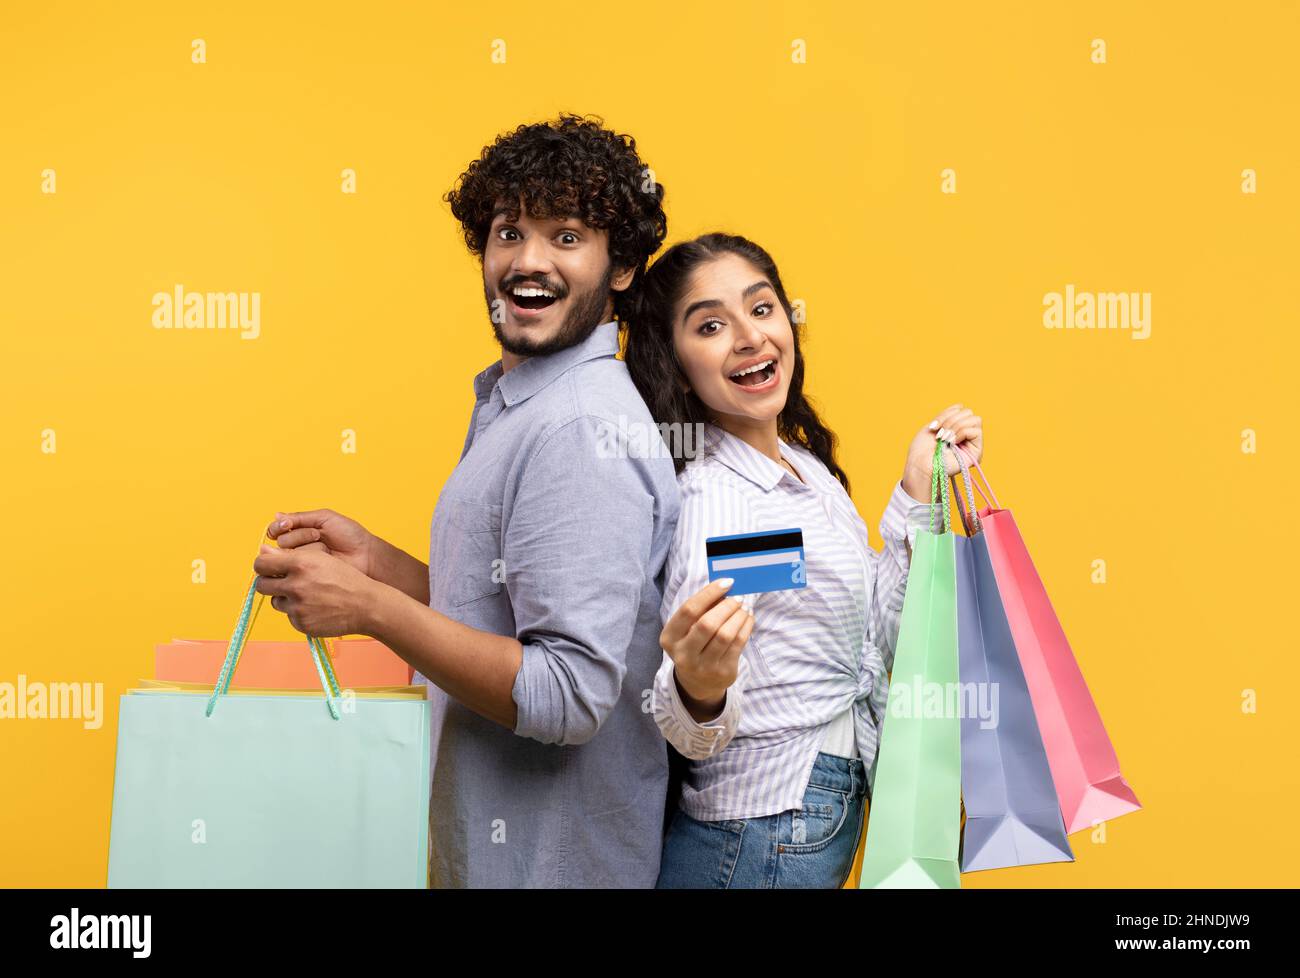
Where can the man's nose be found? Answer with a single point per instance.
(532, 258)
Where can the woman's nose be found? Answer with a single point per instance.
(748, 335)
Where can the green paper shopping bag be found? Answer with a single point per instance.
(257, 790)
(914, 825)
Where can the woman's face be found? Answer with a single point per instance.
(728, 322)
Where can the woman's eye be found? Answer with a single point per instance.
(766, 307)
(704, 327)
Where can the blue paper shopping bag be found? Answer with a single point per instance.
(258, 790)
(1013, 817)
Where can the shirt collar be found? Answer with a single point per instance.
(535, 373)
(747, 461)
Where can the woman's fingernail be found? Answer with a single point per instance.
(726, 582)
(933, 425)
(284, 524)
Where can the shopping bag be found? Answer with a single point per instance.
(1013, 817)
(1085, 769)
(914, 826)
(359, 663)
(243, 789)
(403, 691)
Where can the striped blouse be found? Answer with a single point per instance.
(814, 653)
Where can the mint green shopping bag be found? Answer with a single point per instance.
(914, 822)
(218, 790)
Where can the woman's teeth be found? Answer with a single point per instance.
(759, 373)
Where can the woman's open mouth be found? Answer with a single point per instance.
(757, 377)
(528, 301)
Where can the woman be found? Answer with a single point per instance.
(781, 740)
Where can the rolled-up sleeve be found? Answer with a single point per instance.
(691, 738)
(902, 519)
(576, 555)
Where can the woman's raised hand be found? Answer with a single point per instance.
(956, 425)
(704, 638)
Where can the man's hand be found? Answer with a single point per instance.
(323, 595)
(326, 531)
(704, 638)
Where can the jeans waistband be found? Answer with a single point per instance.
(839, 773)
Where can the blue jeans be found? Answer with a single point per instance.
(812, 848)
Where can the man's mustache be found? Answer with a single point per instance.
(509, 284)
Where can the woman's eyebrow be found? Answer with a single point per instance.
(701, 304)
(709, 303)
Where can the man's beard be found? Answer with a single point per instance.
(580, 322)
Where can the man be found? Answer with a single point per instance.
(536, 620)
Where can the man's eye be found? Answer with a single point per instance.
(568, 237)
(504, 233)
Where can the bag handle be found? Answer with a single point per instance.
(320, 654)
(986, 491)
(939, 488)
(971, 522)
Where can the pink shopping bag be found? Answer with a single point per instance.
(1085, 770)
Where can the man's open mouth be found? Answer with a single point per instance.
(532, 297)
(755, 375)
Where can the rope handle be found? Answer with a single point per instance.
(971, 522)
(939, 488)
(320, 654)
(988, 495)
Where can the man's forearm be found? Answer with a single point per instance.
(474, 667)
(396, 568)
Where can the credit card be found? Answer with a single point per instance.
(768, 561)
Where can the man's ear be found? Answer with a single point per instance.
(622, 278)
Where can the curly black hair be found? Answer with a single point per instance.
(651, 355)
(569, 167)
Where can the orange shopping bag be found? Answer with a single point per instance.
(359, 662)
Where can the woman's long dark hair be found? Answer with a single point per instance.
(652, 358)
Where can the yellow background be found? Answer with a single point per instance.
(175, 445)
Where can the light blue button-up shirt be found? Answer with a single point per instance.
(554, 528)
